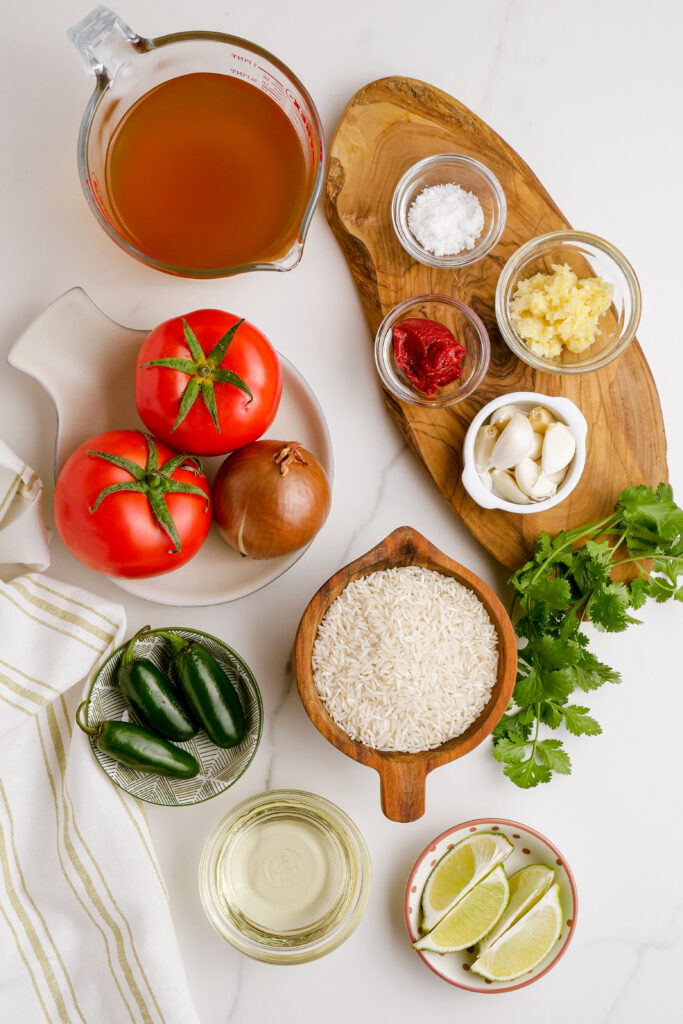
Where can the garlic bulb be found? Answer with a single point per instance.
(502, 416)
(559, 447)
(483, 447)
(506, 487)
(514, 444)
(486, 480)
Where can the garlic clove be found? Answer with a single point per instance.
(559, 447)
(533, 482)
(543, 488)
(501, 417)
(535, 452)
(486, 480)
(540, 419)
(514, 444)
(526, 475)
(483, 447)
(558, 477)
(505, 486)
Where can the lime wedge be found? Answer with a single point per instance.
(458, 871)
(471, 918)
(523, 946)
(526, 888)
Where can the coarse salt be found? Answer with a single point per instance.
(446, 220)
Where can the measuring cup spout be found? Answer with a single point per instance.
(104, 42)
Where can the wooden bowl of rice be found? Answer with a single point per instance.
(403, 660)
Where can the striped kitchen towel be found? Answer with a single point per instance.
(23, 537)
(86, 934)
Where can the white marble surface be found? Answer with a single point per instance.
(588, 93)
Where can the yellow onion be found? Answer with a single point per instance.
(270, 498)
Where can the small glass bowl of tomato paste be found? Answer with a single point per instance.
(412, 380)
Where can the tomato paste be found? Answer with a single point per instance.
(428, 354)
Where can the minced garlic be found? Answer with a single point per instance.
(550, 311)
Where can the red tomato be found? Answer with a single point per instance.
(159, 389)
(122, 537)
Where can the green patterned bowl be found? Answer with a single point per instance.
(219, 768)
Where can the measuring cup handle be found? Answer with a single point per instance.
(104, 42)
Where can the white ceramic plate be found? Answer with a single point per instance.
(86, 363)
(530, 848)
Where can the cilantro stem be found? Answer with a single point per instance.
(569, 538)
(648, 558)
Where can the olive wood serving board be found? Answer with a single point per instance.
(388, 126)
(403, 776)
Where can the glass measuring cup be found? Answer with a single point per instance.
(127, 66)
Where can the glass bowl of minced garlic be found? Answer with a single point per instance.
(568, 302)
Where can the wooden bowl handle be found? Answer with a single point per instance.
(402, 789)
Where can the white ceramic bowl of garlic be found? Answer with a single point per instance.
(527, 447)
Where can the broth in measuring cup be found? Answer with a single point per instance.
(207, 171)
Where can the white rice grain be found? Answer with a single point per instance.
(405, 659)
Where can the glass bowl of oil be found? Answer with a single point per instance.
(285, 876)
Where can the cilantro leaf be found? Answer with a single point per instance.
(511, 726)
(559, 684)
(511, 750)
(608, 608)
(639, 590)
(542, 548)
(551, 753)
(592, 564)
(562, 549)
(590, 673)
(643, 506)
(555, 652)
(528, 688)
(550, 714)
(661, 589)
(579, 722)
(527, 774)
(535, 621)
(555, 592)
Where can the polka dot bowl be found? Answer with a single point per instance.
(530, 847)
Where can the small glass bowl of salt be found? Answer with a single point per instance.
(448, 210)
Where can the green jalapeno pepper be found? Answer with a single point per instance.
(139, 748)
(209, 694)
(151, 697)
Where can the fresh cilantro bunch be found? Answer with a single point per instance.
(567, 581)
